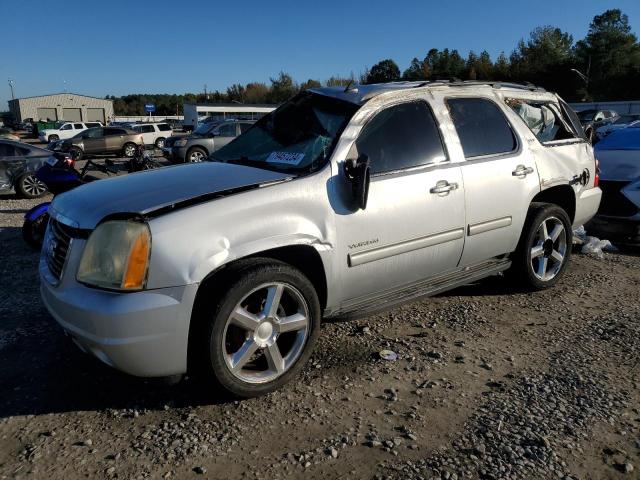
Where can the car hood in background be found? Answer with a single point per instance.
(619, 155)
(148, 192)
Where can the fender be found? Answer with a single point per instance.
(36, 211)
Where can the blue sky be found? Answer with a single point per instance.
(118, 47)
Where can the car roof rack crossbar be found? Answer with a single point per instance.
(468, 83)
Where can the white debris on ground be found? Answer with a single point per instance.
(591, 245)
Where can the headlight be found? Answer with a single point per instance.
(180, 143)
(116, 256)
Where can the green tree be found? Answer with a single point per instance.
(310, 84)
(384, 71)
(502, 68)
(610, 57)
(337, 81)
(418, 70)
(282, 88)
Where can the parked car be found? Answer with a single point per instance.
(593, 119)
(623, 121)
(100, 140)
(19, 163)
(153, 133)
(618, 217)
(207, 138)
(7, 134)
(65, 130)
(341, 202)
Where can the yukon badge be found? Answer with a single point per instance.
(363, 243)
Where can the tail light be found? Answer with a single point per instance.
(596, 177)
(69, 162)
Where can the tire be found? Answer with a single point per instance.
(129, 150)
(539, 263)
(159, 143)
(249, 355)
(33, 230)
(28, 186)
(53, 138)
(195, 155)
(76, 152)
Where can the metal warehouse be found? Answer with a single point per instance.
(62, 106)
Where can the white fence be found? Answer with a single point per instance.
(147, 118)
(619, 107)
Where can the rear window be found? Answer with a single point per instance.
(78, 126)
(163, 127)
(543, 119)
(92, 124)
(482, 127)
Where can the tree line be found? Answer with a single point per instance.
(605, 65)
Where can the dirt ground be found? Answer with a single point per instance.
(489, 383)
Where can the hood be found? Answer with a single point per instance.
(619, 155)
(149, 192)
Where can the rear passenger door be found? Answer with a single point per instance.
(500, 178)
(413, 226)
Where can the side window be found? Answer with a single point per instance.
(244, 127)
(401, 136)
(93, 133)
(542, 118)
(482, 127)
(148, 129)
(78, 126)
(227, 130)
(163, 127)
(571, 117)
(66, 127)
(7, 150)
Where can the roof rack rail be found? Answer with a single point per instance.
(468, 83)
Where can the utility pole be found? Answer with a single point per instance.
(11, 84)
(206, 97)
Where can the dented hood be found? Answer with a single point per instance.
(619, 155)
(152, 191)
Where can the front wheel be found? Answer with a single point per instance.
(160, 143)
(544, 248)
(196, 155)
(53, 138)
(33, 230)
(262, 330)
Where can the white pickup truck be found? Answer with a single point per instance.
(66, 130)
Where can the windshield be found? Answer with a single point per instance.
(297, 137)
(586, 115)
(204, 128)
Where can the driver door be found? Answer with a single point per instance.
(224, 134)
(413, 225)
(93, 140)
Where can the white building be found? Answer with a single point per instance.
(193, 111)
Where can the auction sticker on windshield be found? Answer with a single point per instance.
(288, 158)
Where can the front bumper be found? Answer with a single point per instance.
(140, 333)
(616, 229)
(175, 154)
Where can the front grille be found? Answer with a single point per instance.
(613, 202)
(57, 243)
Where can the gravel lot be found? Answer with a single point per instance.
(489, 383)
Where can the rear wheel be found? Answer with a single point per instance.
(76, 153)
(28, 186)
(544, 248)
(129, 150)
(160, 143)
(261, 331)
(53, 138)
(195, 155)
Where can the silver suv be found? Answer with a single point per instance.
(341, 202)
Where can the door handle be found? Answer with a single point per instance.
(522, 171)
(442, 186)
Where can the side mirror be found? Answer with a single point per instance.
(358, 172)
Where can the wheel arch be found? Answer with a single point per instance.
(301, 256)
(561, 195)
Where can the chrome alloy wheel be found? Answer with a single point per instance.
(129, 150)
(266, 333)
(196, 156)
(33, 186)
(549, 249)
